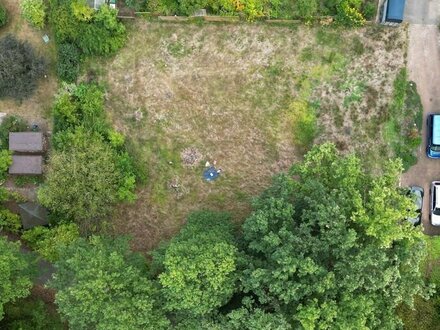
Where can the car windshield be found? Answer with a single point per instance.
(436, 211)
(435, 148)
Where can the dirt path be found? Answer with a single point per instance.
(424, 69)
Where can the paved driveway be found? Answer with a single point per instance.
(422, 11)
(424, 69)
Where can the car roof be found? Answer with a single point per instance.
(437, 194)
(436, 129)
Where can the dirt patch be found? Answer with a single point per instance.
(225, 90)
(36, 108)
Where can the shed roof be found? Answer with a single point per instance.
(395, 10)
(26, 141)
(33, 214)
(26, 165)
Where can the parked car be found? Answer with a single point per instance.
(433, 141)
(416, 193)
(434, 213)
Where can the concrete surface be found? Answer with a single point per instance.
(422, 11)
(424, 69)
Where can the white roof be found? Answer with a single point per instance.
(436, 129)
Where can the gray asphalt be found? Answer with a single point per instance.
(425, 12)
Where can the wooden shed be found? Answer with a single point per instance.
(29, 164)
(30, 142)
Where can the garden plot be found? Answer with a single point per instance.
(233, 94)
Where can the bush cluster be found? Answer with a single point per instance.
(34, 11)
(20, 68)
(90, 169)
(93, 32)
(68, 62)
(3, 16)
(347, 12)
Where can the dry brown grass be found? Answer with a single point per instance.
(225, 90)
(36, 108)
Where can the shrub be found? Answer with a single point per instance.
(49, 241)
(3, 16)
(5, 162)
(30, 313)
(20, 68)
(307, 9)
(68, 62)
(34, 11)
(104, 35)
(10, 123)
(348, 13)
(369, 10)
(9, 221)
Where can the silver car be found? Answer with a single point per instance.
(434, 213)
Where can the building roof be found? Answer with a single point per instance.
(26, 165)
(26, 141)
(395, 10)
(33, 214)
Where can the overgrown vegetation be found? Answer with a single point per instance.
(48, 242)
(34, 11)
(91, 32)
(314, 253)
(89, 169)
(20, 68)
(3, 16)
(15, 270)
(403, 128)
(30, 313)
(346, 12)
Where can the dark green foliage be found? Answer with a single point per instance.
(30, 314)
(329, 249)
(20, 68)
(102, 285)
(90, 169)
(11, 123)
(68, 62)
(93, 32)
(15, 281)
(3, 16)
(198, 265)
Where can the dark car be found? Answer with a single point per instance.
(416, 193)
(433, 141)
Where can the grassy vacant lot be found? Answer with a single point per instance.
(36, 108)
(246, 97)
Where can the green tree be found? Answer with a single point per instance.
(332, 248)
(15, 268)
(34, 11)
(82, 178)
(102, 285)
(199, 265)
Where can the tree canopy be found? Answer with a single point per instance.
(101, 284)
(333, 248)
(15, 281)
(199, 265)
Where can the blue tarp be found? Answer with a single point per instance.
(210, 174)
(395, 10)
(436, 130)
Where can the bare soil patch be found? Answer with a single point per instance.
(225, 91)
